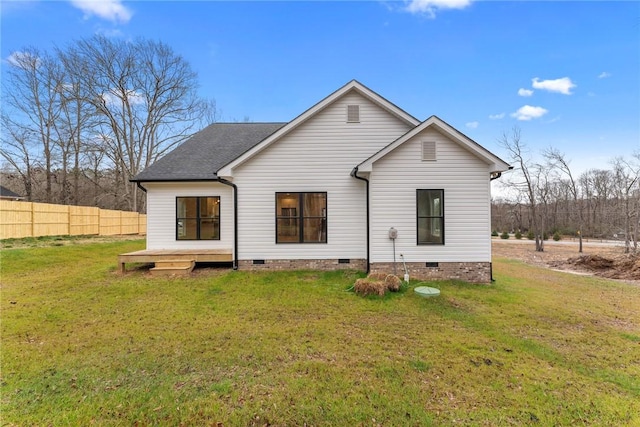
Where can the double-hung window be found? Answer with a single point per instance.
(430, 213)
(198, 218)
(301, 217)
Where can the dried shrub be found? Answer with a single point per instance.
(393, 282)
(377, 284)
(370, 287)
(380, 277)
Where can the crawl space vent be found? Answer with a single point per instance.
(353, 113)
(428, 150)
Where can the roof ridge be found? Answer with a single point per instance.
(249, 123)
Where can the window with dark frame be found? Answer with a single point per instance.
(301, 217)
(198, 218)
(430, 217)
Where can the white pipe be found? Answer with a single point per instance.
(406, 272)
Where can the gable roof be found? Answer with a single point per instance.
(353, 85)
(199, 157)
(217, 149)
(496, 163)
(8, 194)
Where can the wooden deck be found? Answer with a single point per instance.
(196, 255)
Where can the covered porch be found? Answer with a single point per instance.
(173, 255)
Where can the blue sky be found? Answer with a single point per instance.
(567, 73)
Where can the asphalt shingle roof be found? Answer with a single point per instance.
(5, 192)
(207, 151)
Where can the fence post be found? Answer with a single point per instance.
(33, 220)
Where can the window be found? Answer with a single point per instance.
(301, 217)
(198, 218)
(430, 207)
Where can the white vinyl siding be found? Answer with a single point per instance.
(318, 156)
(465, 181)
(161, 214)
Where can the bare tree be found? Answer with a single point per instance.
(597, 188)
(558, 160)
(526, 184)
(16, 150)
(73, 129)
(145, 96)
(626, 175)
(31, 94)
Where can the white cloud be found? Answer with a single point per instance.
(111, 10)
(24, 60)
(472, 125)
(114, 97)
(528, 112)
(525, 92)
(604, 75)
(563, 85)
(110, 32)
(497, 116)
(429, 7)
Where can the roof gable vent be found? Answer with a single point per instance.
(428, 150)
(353, 114)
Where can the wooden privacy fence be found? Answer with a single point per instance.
(26, 219)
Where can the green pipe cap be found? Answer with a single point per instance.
(426, 291)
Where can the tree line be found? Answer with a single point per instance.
(547, 197)
(78, 122)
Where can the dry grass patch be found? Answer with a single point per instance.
(377, 284)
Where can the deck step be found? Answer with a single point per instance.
(173, 267)
(157, 255)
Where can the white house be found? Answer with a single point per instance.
(325, 191)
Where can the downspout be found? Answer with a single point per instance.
(235, 219)
(145, 192)
(492, 176)
(354, 173)
(140, 186)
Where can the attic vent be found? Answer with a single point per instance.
(353, 113)
(429, 150)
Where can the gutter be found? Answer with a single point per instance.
(496, 175)
(139, 186)
(354, 173)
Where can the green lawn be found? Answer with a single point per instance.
(84, 345)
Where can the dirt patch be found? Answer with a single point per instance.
(48, 241)
(626, 267)
(598, 259)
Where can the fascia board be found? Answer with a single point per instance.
(227, 170)
(497, 165)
